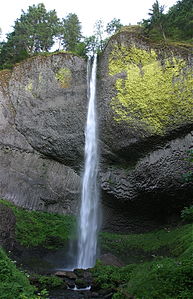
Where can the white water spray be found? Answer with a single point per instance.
(88, 223)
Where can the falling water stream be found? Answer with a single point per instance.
(88, 220)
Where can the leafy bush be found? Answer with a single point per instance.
(13, 283)
(187, 214)
(49, 282)
(189, 175)
(108, 277)
(164, 278)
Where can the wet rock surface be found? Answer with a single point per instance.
(81, 286)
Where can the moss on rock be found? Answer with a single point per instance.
(156, 93)
(64, 76)
(35, 228)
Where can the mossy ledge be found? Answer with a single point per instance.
(43, 229)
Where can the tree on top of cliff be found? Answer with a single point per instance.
(177, 24)
(156, 23)
(71, 32)
(36, 29)
(180, 20)
(33, 32)
(113, 26)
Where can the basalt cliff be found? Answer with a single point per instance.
(145, 115)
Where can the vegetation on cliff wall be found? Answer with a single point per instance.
(64, 76)
(41, 229)
(155, 94)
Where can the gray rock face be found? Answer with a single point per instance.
(32, 181)
(159, 171)
(141, 170)
(43, 109)
(150, 194)
(49, 96)
(42, 119)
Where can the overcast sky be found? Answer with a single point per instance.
(88, 12)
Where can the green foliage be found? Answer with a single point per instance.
(108, 277)
(165, 279)
(187, 214)
(13, 283)
(113, 26)
(11, 54)
(155, 24)
(176, 24)
(189, 175)
(96, 43)
(180, 20)
(176, 241)
(64, 76)
(49, 282)
(71, 32)
(41, 229)
(33, 32)
(162, 278)
(36, 29)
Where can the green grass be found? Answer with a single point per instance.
(164, 277)
(176, 241)
(40, 228)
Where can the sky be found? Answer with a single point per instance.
(88, 12)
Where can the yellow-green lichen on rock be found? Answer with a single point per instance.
(64, 76)
(156, 94)
(29, 86)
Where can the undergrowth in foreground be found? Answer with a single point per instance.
(169, 277)
(40, 228)
(13, 283)
(164, 277)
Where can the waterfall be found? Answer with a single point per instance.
(88, 220)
